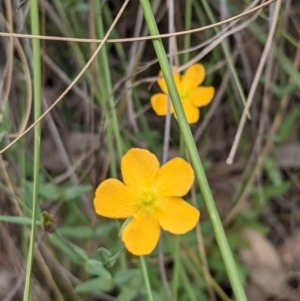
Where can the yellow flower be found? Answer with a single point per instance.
(151, 196)
(192, 96)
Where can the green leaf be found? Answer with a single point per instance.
(72, 251)
(82, 8)
(269, 192)
(289, 123)
(127, 277)
(50, 191)
(276, 191)
(104, 255)
(95, 267)
(98, 284)
(281, 91)
(289, 68)
(127, 294)
(21, 220)
(107, 258)
(74, 192)
(273, 172)
(87, 232)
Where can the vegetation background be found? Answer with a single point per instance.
(253, 56)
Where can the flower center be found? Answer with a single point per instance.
(148, 200)
(183, 92)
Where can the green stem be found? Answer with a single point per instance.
(187, 285)
(34, 13)
(107, 89)
(194, 157)
(108, 103)
(177, 264)
(146, 278)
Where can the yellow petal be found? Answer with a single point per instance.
(191, 112)
(159, 104)
(141, 235)
(113, 199)
(139, 167)
(192, 77)
(202, 96)
(177, 216)
(162, 83)
(174, 178)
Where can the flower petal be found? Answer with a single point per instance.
(162, 83)
(191, 112)
(174, 178)
(193, 77)
(141, 235)
(139, 167)
(202, 96)
(177, 216)
(159, 104)
(113, 199)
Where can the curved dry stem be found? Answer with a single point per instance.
(127, 40)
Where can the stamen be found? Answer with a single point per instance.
(148, 200)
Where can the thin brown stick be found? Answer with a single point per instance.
(127, 40)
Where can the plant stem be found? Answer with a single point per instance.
(146, 278)
(194, 157)
(35, 30)
(176, 269)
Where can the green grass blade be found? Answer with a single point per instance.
(34, 14)
(194, 157)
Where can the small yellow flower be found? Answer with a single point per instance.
(192, 96)
(151, 196)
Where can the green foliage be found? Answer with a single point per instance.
(274, 188)
(107, 258)
(288, 126)
(86, 232)
(73, 252)
(95, 267)
(98, 284)
(62, 193)
(127, 294)
(21, 220)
